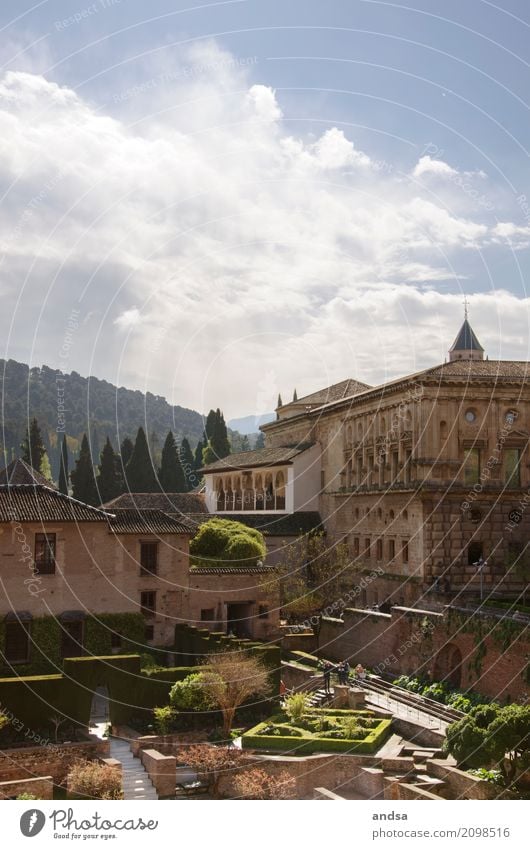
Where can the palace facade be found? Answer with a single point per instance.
(426, 477)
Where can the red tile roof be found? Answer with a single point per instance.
(32, 503)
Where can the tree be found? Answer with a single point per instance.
(33, 450)
(213, 763)
(260, 441)
(222, 540)
(187, 462)
(170, 475)
(63, 467)
(109, 479)
(139, 470)
(257, 783)
(197, 459)
(245, 444)
(312, 576)
(83, 480)
(45, 468)
(491, 735)
(126, 450)
(217, 444)
(230, 678)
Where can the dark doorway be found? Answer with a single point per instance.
(99, 712)
(238, 620)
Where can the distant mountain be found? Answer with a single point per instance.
(250, 424)
(90, 405)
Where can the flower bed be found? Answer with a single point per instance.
(320, 730)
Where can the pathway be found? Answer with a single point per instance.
(136, 781)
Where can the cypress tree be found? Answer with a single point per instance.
(197, 462)
(187, 463)
(139, 471)
(260, 441)
(127, 448)
(33, 449)
(83, 481)
(63, 467)
(209, 428)
(245, 444)
(109, 480)
(170, 475)
(219, 441)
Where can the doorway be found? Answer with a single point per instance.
(238, 618)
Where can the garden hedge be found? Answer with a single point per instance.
(310, 745)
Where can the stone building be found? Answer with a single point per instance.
(426, 476)
(69, 572)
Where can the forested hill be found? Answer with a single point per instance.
(91, 406)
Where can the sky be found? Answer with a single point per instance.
(220, 202)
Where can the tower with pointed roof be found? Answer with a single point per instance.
(466, 345)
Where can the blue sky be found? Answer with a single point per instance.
(243, 197)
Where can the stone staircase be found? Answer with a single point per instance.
(136, 781)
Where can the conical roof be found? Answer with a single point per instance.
(466, 339)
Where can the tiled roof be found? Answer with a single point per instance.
(501, 369)
(19, 472)
(31, 503)
(466, 339)
(261, 457)
(173, 503)
(344, 389)
(147, 521)
(270, 524)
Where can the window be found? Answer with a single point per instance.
(510, 417)
(470, 416)
(512, 470)
(408, 465)
(405, 551)
(367, 547)
(148, 557)
(394, 465)
(474, 553)
(148, 603)
(391, 549)
(17, 641)
(379, 549)
(356, 546)
(207, 614)
(472, 466)
(263, 611)
(45, 554)
(149, 633)
(370, 480)
(72, 638)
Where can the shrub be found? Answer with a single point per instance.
(256, 783)
(164, 718)
(222, 540)
(26, 797)
(190, 694)
(296, 706)
(97, 781)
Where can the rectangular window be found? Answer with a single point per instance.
(263, 611)
(72, 639)
(367, 547)
(356, 547)
(17, 642)
(379, 549)
(207, 614)
(474, 553)
(148, 603)
(45, 554)
(382, 463)
(391, 549)
(370, 480)
(149, 558)
(408, 466)
(512, 467)
(359, 466)
(405, 551)
(472, 466)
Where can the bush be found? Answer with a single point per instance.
(221, 540)
(163, 718)
(190, 694)
(256, 783)
(26, 797)
(96, 781)
(296, 706)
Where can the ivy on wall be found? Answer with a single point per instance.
(501, 632)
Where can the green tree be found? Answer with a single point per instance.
(170, 475)
(222, 540)
(109, 479)
(83, 480)
(189, 694)
(139, 471)
(63, 467)
(126, 450)
(45, 468)
(230, 678)
(216, 443)
(188, 463)
(260, 441)
(197, 459)
(33, 449)
(491, 735)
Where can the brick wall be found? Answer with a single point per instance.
(55, 761)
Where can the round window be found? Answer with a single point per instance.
(470, 416)
(510, 417)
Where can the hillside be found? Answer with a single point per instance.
(248, 425)
(90, 405)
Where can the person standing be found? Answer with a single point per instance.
(327, 676)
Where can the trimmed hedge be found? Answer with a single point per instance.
(309, 745)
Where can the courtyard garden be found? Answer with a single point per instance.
(300, 729)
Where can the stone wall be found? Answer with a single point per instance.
(475, 652)
(33, 762)
(161, 770)
(40, 788)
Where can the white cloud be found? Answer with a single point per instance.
(428, 165)
(233, 245)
